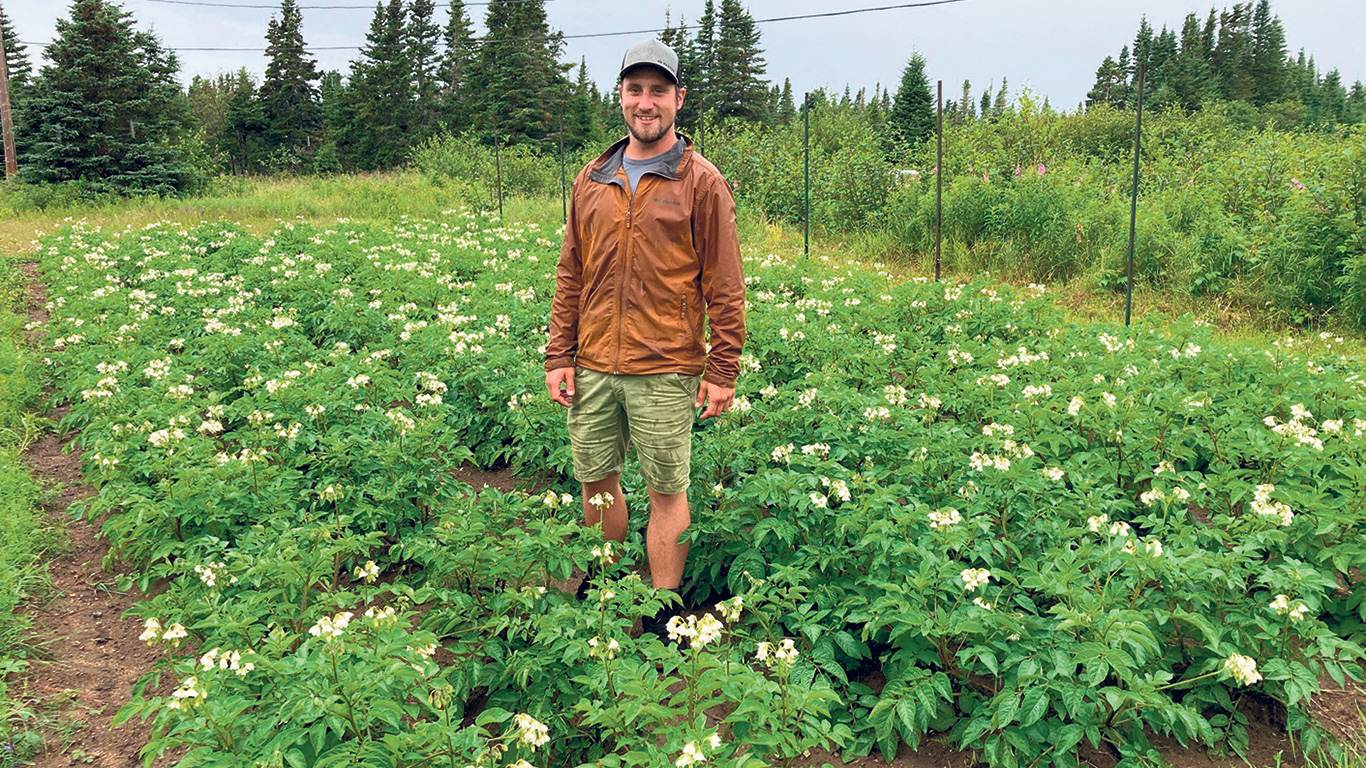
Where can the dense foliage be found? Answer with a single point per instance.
(106, 110)
(1237, 56)
(943, 510)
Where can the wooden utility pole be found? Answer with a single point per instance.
(6, 123)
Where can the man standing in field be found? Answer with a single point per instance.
(649, 249)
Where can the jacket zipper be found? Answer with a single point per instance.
(621, 282)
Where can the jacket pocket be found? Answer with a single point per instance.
(687, 324)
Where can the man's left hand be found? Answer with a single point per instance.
(716, 398)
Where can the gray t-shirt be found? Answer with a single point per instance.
(637, 168)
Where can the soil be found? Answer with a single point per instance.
(91, 655)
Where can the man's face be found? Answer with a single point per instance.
(649, 103)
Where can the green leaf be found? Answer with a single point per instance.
(1034, 706)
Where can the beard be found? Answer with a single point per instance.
(649, 135)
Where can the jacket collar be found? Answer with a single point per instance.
(609, 162)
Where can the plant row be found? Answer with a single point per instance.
(934, 509)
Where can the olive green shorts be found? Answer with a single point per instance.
(653, 412)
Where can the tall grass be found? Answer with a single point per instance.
(23, 535)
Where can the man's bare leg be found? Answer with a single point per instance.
(669, 518)
(613, 516)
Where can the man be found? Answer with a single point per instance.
(649, 248)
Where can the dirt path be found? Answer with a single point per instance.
(90, 655)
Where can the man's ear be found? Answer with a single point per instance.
(681, 93)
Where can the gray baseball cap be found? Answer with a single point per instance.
(653, 53)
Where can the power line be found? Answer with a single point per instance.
(587, 35)
(303, 7)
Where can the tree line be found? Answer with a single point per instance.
(107, 111)
(1237, 55)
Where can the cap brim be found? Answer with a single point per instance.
(662, 69)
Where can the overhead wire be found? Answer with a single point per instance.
(583, 36)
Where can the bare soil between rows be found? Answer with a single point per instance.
(91, 656)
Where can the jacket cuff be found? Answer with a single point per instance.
(720, 381)
(565, 361)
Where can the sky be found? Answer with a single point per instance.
(1051, 47)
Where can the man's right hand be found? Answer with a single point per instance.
(560, 384)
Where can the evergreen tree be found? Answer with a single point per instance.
(1356, 103)
(690, 69)
(787, 110)
(1192, 79)
(20, 75)
(381, 91)
(1329, 107)
(1109, 84)
(458, 36)
(1233, 53)
(107, 111)
(998, 106)
(243, 139)
(338, 118)
(1268, 65)
(1143, 42)
(700, 107)
(341, 130)
(965, 111)
(517, 74)
(289, 100)
(421, 37)
(911, 120)
(984, 104)
(1162, 70)
(16, 57)
(582, 122)
(737, 84)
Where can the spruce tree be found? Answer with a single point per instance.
(582, 123)
(517, 75)
(337, 108)
(911, 120)
(421, 37)
(689, 67)
(20, 75)
(965, 111)
(999, 104)
(243, 140)
(1268, 65)
(458, 36)
(1233, 53)
(1109, 84)
(107, 111)
(700, 106)
(787, 109)
(381, 91)
(737, 84)
(289, 99)
(1192, 79)
(1356, 103)
(16, 57)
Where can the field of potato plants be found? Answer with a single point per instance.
(936, 511)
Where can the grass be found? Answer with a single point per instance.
(24, 536)
(260, 203)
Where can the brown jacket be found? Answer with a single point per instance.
(636, 272)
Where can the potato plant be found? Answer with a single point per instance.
(936, 509)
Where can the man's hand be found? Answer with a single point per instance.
(717, 399)
(560, 384)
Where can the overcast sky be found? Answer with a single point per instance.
(1051, 46)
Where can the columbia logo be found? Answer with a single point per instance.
(666, 202)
